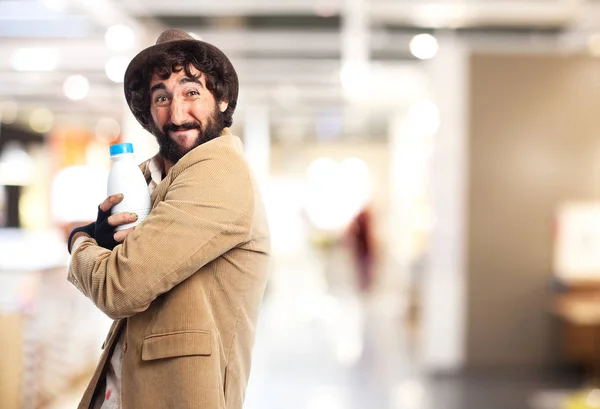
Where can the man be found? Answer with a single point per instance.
(185, 285)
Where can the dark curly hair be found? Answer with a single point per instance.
(221, 78)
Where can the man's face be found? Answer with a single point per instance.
(184, 111)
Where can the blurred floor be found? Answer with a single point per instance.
(320, 345)
(372, 366)
(336, 349)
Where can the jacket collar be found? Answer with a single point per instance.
(226, 138)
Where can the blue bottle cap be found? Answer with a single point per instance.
(121, 148)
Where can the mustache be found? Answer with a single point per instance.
(186, 126)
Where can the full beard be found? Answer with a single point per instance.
(172, 151)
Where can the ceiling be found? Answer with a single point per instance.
(288, 54)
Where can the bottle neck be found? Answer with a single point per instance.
(121, 156)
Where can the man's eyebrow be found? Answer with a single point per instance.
(186, 80)
(158, 86)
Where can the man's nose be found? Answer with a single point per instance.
(178, 112)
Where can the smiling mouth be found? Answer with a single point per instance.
(182, 131)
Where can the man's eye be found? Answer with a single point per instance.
(161, 98)
(193, 92)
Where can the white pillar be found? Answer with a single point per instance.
(444, 303)
(408, 161)
(355, 50)
(257, 141)
(355, 32)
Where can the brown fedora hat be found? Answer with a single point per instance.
(137, 74)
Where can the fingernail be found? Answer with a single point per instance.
(135, 216)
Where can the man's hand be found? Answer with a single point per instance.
(106, 223)
(103, 229)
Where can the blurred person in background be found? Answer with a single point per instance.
(184, 286)
(362, 246)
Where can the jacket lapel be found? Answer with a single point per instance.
(195, 155)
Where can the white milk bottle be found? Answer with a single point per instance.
(126, 177)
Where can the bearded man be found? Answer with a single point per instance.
(184, 286)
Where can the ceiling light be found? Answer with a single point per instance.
(34, 59)
(76, 87)
(41, 120)
(115, 68)
(8, 111)
(119, 38)
(424, 46)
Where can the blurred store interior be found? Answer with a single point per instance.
(431, 171)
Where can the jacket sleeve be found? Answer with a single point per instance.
(206, 212)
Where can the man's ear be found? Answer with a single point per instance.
(223, 105)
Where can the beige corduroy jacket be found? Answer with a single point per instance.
(188, 282)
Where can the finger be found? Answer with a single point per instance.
(110, 201)
(122, 218)
(120, 235)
